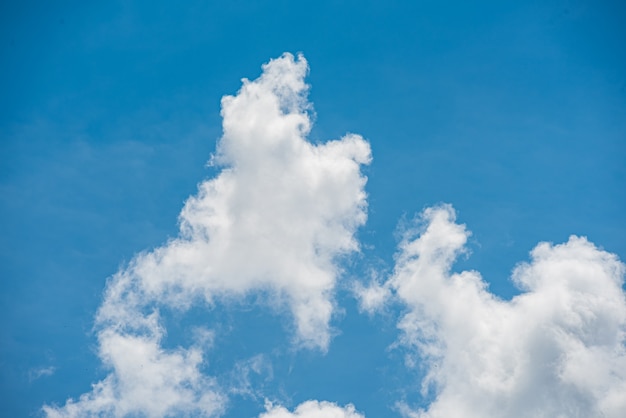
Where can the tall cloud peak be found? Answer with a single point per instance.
(277, 218)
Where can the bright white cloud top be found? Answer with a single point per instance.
(275, 220)
(279, 217)
(556, 350)
(312, 409)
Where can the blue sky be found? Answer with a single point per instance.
(514, 114)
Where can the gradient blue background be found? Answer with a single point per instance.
(513, 112)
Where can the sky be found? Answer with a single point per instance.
(323, 209)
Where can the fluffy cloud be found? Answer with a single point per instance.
(556, 350)
(275, 219)
(147, 380)
(312, 409)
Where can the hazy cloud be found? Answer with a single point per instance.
(372, 297)
(37, 373)
(247, 373)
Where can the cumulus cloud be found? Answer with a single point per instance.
(312, 409)
(147, 380)
(276, 219)
(555, 350)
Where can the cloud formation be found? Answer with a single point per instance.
(276, 219)
(312, 409)
(555, 350)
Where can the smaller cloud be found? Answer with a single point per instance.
(203, 337)
(246, 374)
(371, 298)
(146, 381)
(406, 411)
(312, 409)
(556, 349)
(34, 374)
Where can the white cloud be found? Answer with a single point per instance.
(312, 409)
(147, 380)
(556, 350)
(371, 298)
(275, 219)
